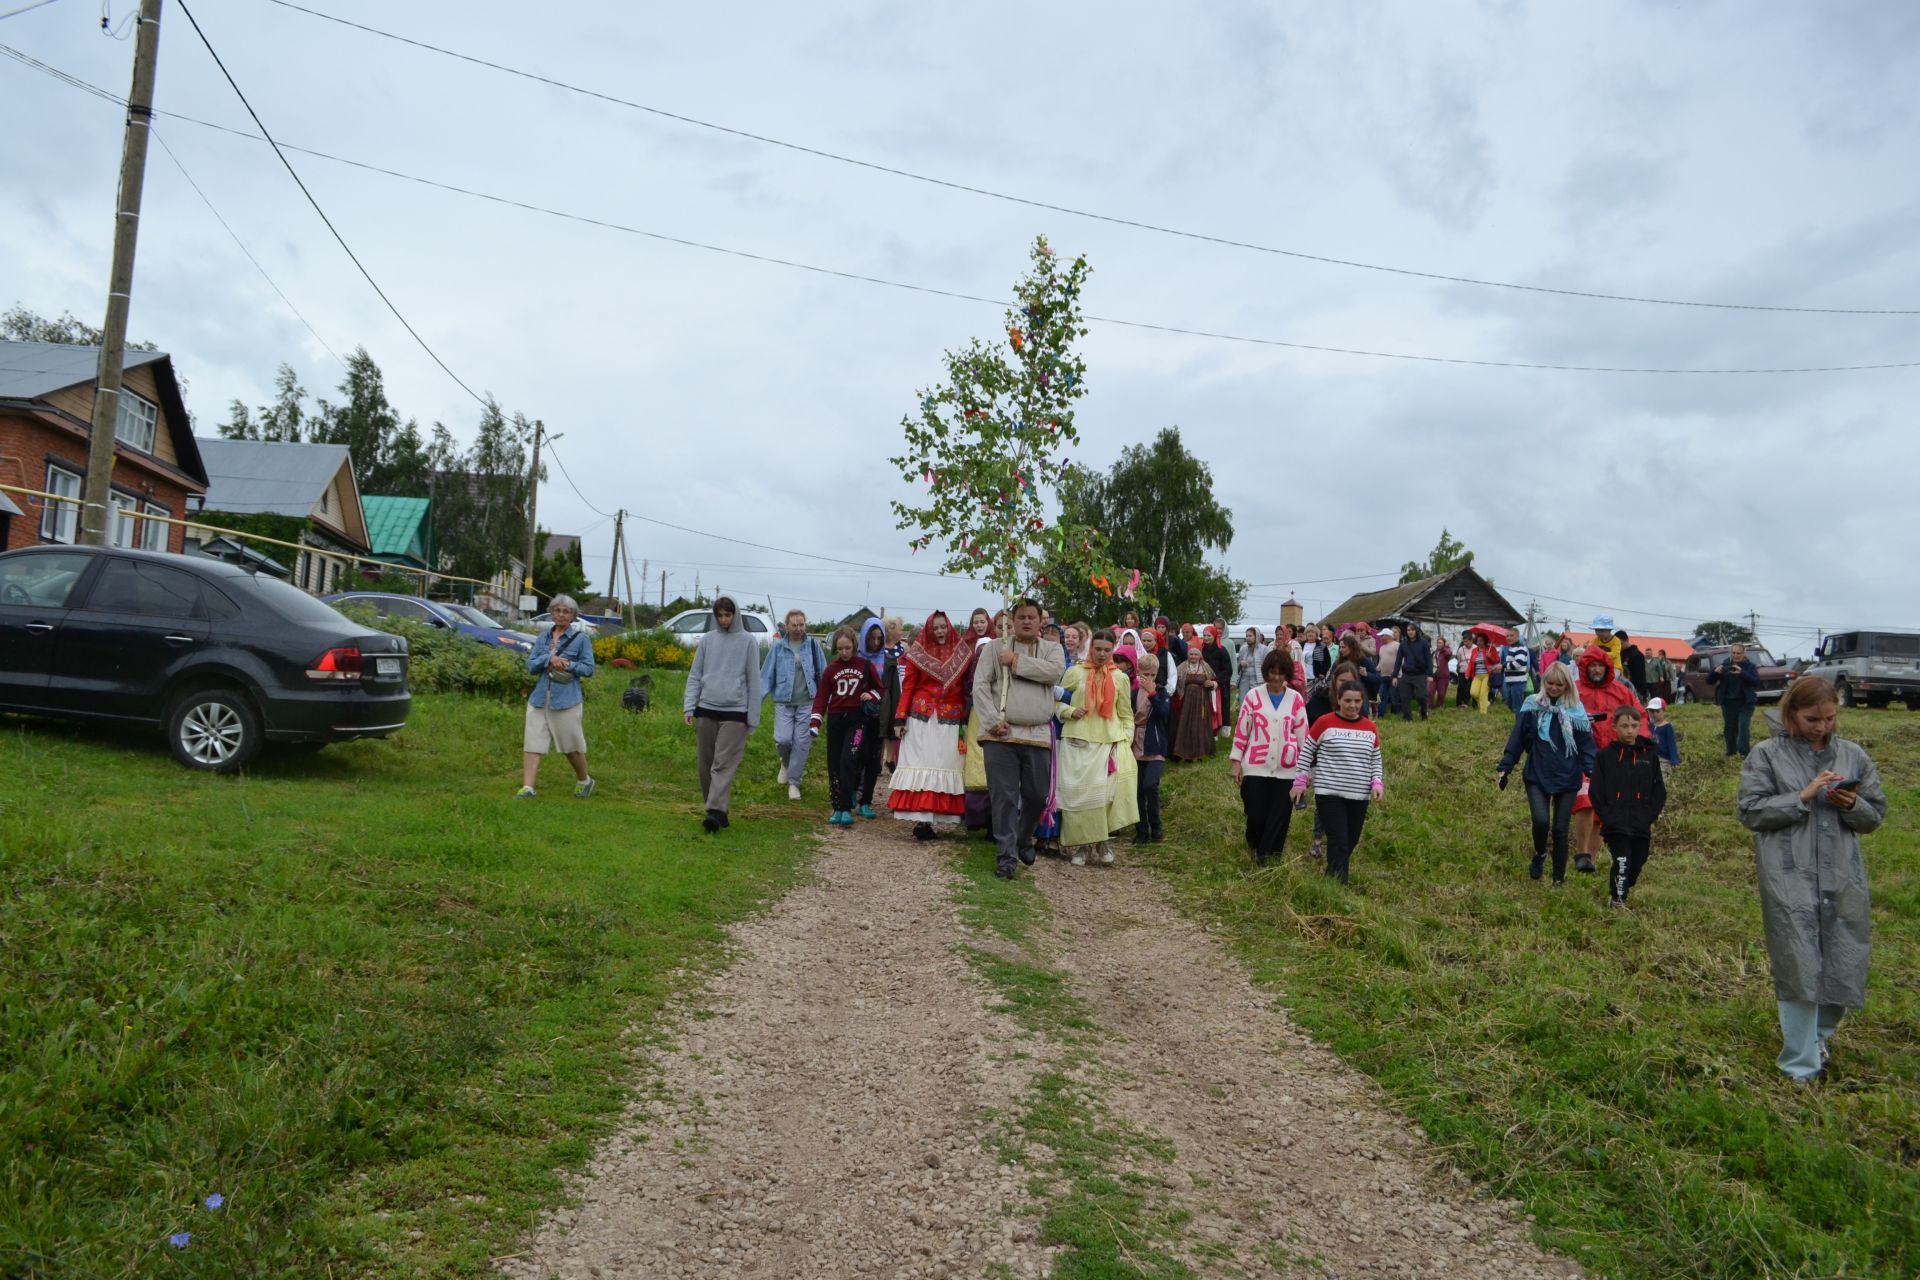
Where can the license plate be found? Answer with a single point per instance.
(386, 666)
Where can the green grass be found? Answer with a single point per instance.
(1615, 1072)
(1112, 1221)
(364, 995)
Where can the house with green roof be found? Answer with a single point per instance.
(400, 530)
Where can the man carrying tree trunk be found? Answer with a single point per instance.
(1013, 684)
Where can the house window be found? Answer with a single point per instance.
(60, 522)
(153, 533)
(326, 499)
(137, 422)
(1459, 602)
(120, 530)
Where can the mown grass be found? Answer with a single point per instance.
(1112, 1221)
(364, 995)
(1613, 1071)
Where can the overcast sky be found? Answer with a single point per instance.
(1713, 151)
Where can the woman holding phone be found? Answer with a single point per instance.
(1808, 797)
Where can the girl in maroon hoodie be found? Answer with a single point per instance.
(849, 699)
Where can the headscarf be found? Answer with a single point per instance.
(1129, 638)
(944, 664)
(1100, 688)
(1548, 710)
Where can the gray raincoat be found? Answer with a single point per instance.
(1813, 881)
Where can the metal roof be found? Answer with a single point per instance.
(7, 508)
(262, 476)
(394, 525)
(30, 370)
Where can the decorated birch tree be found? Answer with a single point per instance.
(988, 447)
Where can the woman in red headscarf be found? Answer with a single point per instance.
(929, 782)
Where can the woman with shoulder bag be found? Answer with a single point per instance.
(562, 657)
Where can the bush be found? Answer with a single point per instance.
(655, 648)
(447, 662)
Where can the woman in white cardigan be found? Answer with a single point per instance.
(1268, 735)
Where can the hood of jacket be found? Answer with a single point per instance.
(1591, 654)
(876, 658)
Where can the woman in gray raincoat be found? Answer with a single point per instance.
(1808, 797)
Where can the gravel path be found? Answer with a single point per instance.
(829, 1105)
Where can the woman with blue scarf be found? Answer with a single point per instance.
(1557, 738)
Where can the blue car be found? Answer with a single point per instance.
(468, 621)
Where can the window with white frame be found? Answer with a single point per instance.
(137, 421)
(153, 533)
(60, 522)
(121, 530)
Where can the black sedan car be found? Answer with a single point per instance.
(220, 658)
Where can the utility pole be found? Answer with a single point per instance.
(533, 511)
(626, 574)
(1753, 626)
(96, 511)
(613, 568)
(663, 588)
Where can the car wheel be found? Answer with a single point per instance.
(1843, 693)
(214, 729)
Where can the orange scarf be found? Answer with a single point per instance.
(1100, 690)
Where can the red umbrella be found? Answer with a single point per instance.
(1492, 631)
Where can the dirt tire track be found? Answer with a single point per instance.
(826, 1106)
(1278, 1140)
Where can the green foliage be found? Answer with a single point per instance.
(655, 648)
(283, 421)
(1447, 555)
(1157, 506)
(1712, 633)
(441, 661)
(1613, 1070)
(17, 324)
(262, 524)
(561, 574)
(480, 495)
(987, 444)
(379, 1006)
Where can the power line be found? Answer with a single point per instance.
(555, 455)
(243, 246)
(261, 125)
(25, 8)
(956, 295)
(1135, 224)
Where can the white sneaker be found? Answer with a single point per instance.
(1079, 859)
(783, 776)
(793, 791)
(1106, 856)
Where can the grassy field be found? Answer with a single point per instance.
(1614, 1071)
(363, 995)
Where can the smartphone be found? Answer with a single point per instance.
(1851, 784)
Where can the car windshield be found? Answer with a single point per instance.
(468, 614)
(1760, 657)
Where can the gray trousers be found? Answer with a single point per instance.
(721, 743)
(1018, 777)
(790, 736)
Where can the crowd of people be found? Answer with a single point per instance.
(1054, 737)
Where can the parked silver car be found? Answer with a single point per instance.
(1871, 667)
(690, 625)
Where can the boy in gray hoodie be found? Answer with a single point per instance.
(723, 696)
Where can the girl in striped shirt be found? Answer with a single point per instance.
(1342, 763)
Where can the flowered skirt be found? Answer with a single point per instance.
(929, 780)
(1086, 790)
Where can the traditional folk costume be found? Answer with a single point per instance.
(1090, 745)
(929, 780)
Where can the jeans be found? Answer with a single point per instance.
(790, 736)
(1147, 793)
(1342, 818)
(1551, 815)
(718, 746)
(1516, 692)
(1268, 803)
(1017, 780)
(1805, 1028)
(1629, 855)
(1737, 721)
(847, 735)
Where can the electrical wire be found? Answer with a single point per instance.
(555, 455)
(25, 8)
(342, 240)
(794, 264)
(243, 246)
(1135, 224)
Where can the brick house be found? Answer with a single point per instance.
(46, 415)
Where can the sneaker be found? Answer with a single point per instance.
(1027, 855)
(582, 790)
(783, 774)
(1583, 864)
(525, 793)
(866, 811)
(1538, 865)
(1106, 854)
(722, 815)
(1004, 870)
(1079, 859)
(710, 823)
(793, 791)
(1616, 904)
(1318, 849)
(841, 818)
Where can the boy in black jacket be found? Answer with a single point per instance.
(1628, 794)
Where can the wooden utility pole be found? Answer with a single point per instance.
(533, 510)
(663, 588)
(613, 568)
(626, 573)
(96, 510)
